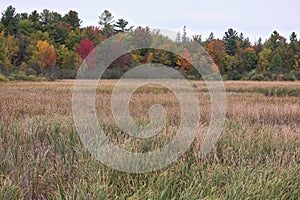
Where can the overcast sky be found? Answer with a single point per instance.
(254, 18)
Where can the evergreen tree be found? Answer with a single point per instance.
(231, 39)
(178, 38)
(73, 19)
(9, 20)
(184, 37)
(106, 22)
(121, 25)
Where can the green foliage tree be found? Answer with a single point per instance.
(26, 27)
(106, 21)
(264, 60)
(9, 20)
(12, 45)
(293, 37)
(120, 26)
(73, 39)
(3, 50)
(184, 35)
(250, 59)
(178, 38)
(35, 18)
(276, 63)
(231, 40)
(72, 18)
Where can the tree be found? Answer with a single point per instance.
(73, 19)
(12, 45)
(105, 21)
(35, 18)
(231, 39)
(197, 38)
(276, 63)
(9, 21)
(178, 38)
(26, 27)
(142, 37)
(67, 59)
(85, 50)
(264, 60)
(31, 47)
(48, 19)
(3, 50)
(121, 25)
(217, 50)
(293, 37)
(184, 36)
(211, 37)
(258, 46)
(274, 41)
(93, 33)
(116, 48)
(244, 43)
(45, 55)
(23, 42)
(249, 59)
(58, 33)
(22, 16)
(183, 61)
(68, 62)
(73, 39)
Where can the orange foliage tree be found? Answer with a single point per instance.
(217, 51)
(183, 61)
(45, 55)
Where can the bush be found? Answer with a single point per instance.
(289, 77)
(3, 78)
(31, 78)
(257, 77)
(19, 75)
(11, 78)
(66, 74)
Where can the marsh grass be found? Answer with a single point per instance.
(42, 157)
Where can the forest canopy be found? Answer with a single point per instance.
(49, 45)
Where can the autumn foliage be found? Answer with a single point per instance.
(86, 51)
(183, 61)
(217, 50)
(45, 55)
(84, 48)
(35, 43)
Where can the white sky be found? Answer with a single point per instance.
(255, 18)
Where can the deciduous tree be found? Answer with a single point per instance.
(45, 55)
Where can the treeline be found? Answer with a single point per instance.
(49, 45)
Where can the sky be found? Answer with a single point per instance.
(255, 18)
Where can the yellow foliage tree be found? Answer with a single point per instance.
(45, 55)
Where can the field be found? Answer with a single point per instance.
(257, 156)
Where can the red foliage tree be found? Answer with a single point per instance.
(85, 50)
(217, 51)
(183, 61)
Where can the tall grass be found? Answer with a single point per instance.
(42, 157)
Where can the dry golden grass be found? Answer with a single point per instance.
(257, 155)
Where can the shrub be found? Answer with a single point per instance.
(257, 77)
(19, 75)
(31, 78)
(11, 78)
(3, 78)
